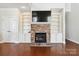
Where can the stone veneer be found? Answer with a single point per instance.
(35, 28)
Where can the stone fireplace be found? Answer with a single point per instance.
(40, 33)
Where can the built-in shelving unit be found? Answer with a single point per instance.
(26, 26)
(56, 25)
(57, 15)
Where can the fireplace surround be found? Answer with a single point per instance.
(40, 29)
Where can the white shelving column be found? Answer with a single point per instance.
(56, 28)
(26, 26)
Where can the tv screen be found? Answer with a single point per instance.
(41, 16)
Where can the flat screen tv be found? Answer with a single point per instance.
(41, 16)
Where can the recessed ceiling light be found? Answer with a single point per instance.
(23, 7)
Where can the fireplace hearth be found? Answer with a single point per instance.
(40, 37)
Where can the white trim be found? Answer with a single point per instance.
(14, 42)
(64, 25)
(73, 41)
(24, 42)
(57, 42)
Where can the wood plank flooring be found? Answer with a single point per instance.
(23, 49)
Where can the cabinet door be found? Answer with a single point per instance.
(27, 28)
(53, 38)
(27, 37)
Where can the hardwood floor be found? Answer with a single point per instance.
(22, 49)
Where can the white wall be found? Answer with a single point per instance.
(47, 6)
(36, 6)
(72, 23)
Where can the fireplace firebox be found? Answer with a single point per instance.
(40, 37)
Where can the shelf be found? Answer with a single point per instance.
(40, 23)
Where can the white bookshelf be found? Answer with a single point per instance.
(56, 27)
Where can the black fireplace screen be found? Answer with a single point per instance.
(40, 37)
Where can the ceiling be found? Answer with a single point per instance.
(13, 5)
(35, 6)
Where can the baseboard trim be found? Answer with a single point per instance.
(13, 42)
(73, 41)
(24, 42)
